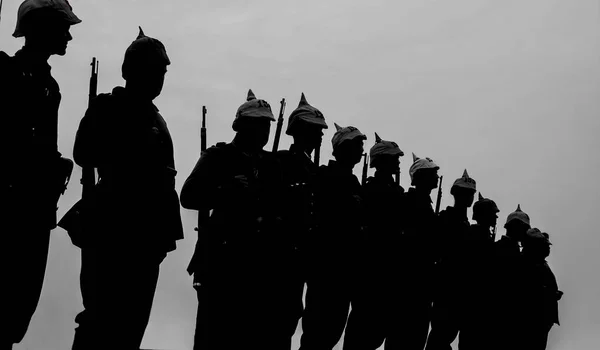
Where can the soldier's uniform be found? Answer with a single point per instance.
(134, 220)
(476, 280)
(240, 297)
(299, 217)
(372, 317)
(333, 250)
(507, 286)
(449, 286)
(33, 176)
(417, 257)
(540, 291)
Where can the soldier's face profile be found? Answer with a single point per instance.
(149, 79)
(52, 37)
(388, 163)
(313, 135)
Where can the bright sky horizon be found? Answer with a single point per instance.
(508, 90)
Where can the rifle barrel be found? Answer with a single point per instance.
(203, 130)
(317, 156)
(88, 174)
(439, 196)
(279, 125)
(365, 169)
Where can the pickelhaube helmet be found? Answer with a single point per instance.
(383, 147)
(421, 164)
(465, 182)
(143, 50)
(484, 206)
(305, 113)
(251, 109)
(518, 215)
(344, 134)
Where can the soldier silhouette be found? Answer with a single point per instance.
(417, 256)
(305, 124)
(242, 297)
(135, 215)
(540, 291)
(507, 283)
(35, 174)
(448, 292)
(476, 275)
(333, 246)
(374, 306)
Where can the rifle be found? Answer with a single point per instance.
(365, 168)
(203, 131)
(317, 155)
(88, 174)
(203, 216)
(279, 126)
(439, 196)
(74, 221)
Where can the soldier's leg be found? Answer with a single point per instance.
(412, 324)
(326, 312)
(23, 270)
(444, 326)
(120, 290)
(366, 326)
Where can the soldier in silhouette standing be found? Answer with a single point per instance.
(305, 124)
(507, 283)
(417, 257)
(135, 214)
(334, 247)
(475, 277)
(34, 173)
(540, 291)
(448, 291)
(373, 316)
(248, 251)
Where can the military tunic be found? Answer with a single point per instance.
(299, 219)
(419, 252)
(30, 184)
(135, 217)
(247, 252)
(334, 250)
(449, 287)
(373, 315)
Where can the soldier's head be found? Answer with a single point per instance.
(517, 224)
(536, 244)
(485, 212)
(252, 122)
(145, 65)
(45, 25)
(463, 190)
(385, 156)
(348, 145)
(305, 125)
(424, 173)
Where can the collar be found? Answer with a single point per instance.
(121, 92)
(29, 60)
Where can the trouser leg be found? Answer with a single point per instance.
(23, 268)
(324, 318)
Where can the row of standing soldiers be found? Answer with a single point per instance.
(377, 262)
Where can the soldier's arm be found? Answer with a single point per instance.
(201, 189)
(88, 143)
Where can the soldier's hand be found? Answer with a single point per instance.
(241, 181)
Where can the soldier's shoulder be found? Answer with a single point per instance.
(7, 65)
(219, 148)
(4, 58)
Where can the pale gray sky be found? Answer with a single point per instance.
(507, 89)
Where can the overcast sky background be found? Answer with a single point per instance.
(507, 89)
